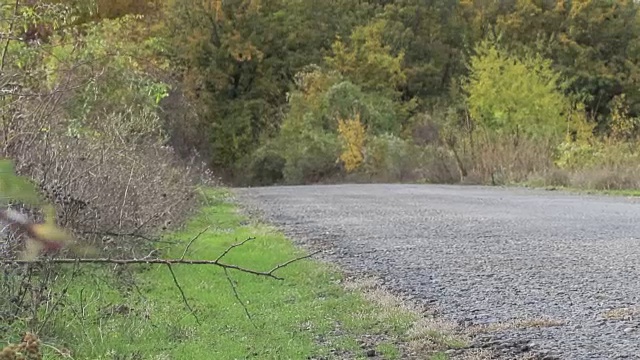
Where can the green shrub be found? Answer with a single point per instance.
(521, 96)
(390, 158)
(264, 167)
(312, 157)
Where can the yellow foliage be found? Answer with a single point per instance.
(580, 130)
(352, 134)
(622, 125)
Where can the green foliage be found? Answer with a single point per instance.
(623, 126)
(368, 61)
(377, 112)
(264, 167)
(124, 79)
(593, 43)
(309, 139)
(311, 154)
(390, 158)
(432, 37)
(237, 60)
(15, 188)
(514, 95)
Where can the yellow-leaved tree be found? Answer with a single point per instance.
(353, 136)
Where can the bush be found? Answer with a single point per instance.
(91, 137)
(437, 165)
(311, 158)
(264, 167)
(390, 158)
(518, 96)
(353, 136)
(606, 179)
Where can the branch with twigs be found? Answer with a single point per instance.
(271, 273)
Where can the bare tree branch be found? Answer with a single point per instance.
(184, 253)
(133, 234)
(184, 298)
(235, 293)
(233, 246)
(269, 273)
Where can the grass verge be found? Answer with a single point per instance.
(309, 315)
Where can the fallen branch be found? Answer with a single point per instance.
(184, 297)
(235, 293)
(269, 273)
(35, 233)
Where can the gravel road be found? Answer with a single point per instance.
(486, 256)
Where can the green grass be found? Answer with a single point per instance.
(309, 315)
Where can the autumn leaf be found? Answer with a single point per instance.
(46, 237)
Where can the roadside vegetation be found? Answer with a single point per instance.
(316, 312)
(118, 114)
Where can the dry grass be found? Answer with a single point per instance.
(526, 323)
(499, 160)
(625, 313)
(427, 334)
(430, 334)
(606, 179)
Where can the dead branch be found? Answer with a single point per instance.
(132, 234)
(233, 246)
(270, 273)
(184, 298)
(237, 296)
(186, 249)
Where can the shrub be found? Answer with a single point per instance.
(91, 138)
(390, 158)
(264, 167)
(311, 158)
(518, 96)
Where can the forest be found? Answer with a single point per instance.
(279, 91)
(119, 110)
(492, 92)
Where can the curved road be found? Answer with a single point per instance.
(486, 256)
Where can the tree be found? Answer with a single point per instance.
(431, 35)
(593, 43)
(367, 60)
(519, 96)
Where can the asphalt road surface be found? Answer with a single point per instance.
(486, 256)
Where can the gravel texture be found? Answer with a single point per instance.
(564, 266)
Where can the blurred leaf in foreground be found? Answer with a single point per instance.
(46, 237)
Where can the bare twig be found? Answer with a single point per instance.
(6, 45)
(184, 298)
(124, 199)
(285, 264)
(128, 234)
(233, 246)
(235, 293)
(269, 273)
(184, 253)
